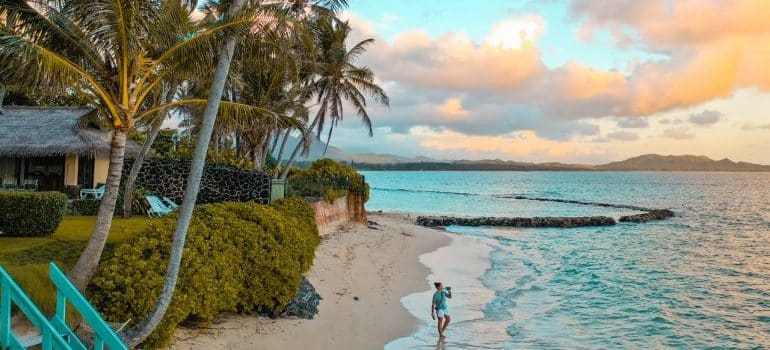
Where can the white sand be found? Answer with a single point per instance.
(378, 266)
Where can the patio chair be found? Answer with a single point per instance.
(30, 185)
(97, 192)
(10, 187)
(157, 208)
(170, 203)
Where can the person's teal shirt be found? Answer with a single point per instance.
(439, 298)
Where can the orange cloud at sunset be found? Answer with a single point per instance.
(519, 143)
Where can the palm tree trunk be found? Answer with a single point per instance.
(279, 157)
(328, 139)
(2, 97)
(295, 153)
(274, 136)
(266, 148)
(86, 266)
(138, 334)
(257, 150)
(290, 162)
(128, 189)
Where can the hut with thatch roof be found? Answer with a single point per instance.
(53, 148)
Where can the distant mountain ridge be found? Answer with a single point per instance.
(656, 162)
(647, 162)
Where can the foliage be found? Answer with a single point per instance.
(87, 206)
(139, 204)
(164, 143)
(31, 213)
(328, 179)
(27, 258)
(238, 256)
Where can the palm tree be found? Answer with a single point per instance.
(101, 48)
(339, 80)
(136, 166)
(226, 52)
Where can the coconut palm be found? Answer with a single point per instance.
(226, 51)
(100, 47)
(339, 81)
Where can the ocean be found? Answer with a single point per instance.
(700, 280)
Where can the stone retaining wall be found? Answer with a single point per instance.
(220, 183)
(329, 216)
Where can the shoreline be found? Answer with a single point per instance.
(379, 267)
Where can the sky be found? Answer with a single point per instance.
(576, 81)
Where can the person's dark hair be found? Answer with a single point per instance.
(436, 284)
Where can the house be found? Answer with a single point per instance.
(53, 148)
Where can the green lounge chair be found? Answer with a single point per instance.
(170, 203)
(97, 192)
(157, 208)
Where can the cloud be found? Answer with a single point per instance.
(706, 117)
(452, 108)
(520, 143)
(749, 127)
(623, 136)
(678, 134)
(634, 123)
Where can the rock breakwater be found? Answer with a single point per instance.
(581, 221)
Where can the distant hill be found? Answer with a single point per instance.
(317, 152)
(650, 162)
(647, 162)
(656, 162)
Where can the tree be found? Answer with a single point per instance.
(133, 174)
(100, 47)
(226, 52)
(339, 80)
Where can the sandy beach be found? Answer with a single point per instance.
(378, 266)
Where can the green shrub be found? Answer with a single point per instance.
(86, 206)
(238, 256)
(327, 179)
(31, 213)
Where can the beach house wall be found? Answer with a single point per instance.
(53, 148)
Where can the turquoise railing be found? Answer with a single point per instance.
(55, 334)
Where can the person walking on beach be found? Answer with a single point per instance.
(439, 308)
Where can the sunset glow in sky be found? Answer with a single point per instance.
(581, 81)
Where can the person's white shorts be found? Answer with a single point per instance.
(442, 312)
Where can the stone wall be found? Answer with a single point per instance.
(220, 183)
(329, 216)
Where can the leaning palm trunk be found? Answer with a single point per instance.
(86, 266)
(138, 334)
(279, 157)
(2, 97)
(295, 153)
(128, 189)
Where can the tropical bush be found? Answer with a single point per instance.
(85, 206)
(327, 179)
(238, 257)
(31, 213)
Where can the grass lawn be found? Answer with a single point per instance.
(26, 259)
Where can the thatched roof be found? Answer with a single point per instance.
(52, 131)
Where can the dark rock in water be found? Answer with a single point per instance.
(305, 303)
(581, 221)
(652, 215)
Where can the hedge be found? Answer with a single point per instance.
(31, 213)
(86, 206)
(327, 179)
(238, 257)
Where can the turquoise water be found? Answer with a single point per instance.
(700, 280)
